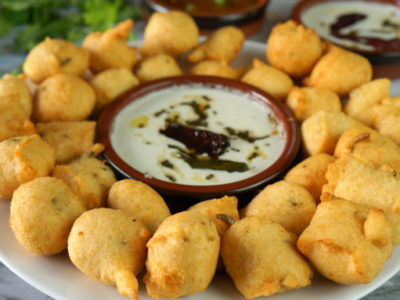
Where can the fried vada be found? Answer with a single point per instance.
(140, 201)
(63, 97)
(269, 79)
(286, 203)
(54, 56)
(88, 177)
(347, 242)
(261, 258)
(23, 159)
(293, 48)
(340, 71)
(42, 213)
(173, 33)
(156, 67)
(15, 90)
(69, 139)
(224, 44)
(109, 84)
(109, 50)
(110, 246)
(182, 255)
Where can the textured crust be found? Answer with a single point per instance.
(140, 201)
(52, 57)
(361, 183)
(23, 159)
(362, 100)
(340, 71)
(108, 245)
(347, 242)
(110, 50)
(310, 173)
(224, 44)
(303, 102)
(16, 90)
(173, 33)
(269, 79)
(293, 48)
(89, 178)
(158, 66)
(42, 213)
(260, 257)
(182, 256)
(63, 97)
(288, 204)
(69, 139)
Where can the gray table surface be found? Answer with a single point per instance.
(14, 288)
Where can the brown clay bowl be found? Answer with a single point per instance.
(386, 63)
(279, 111)
(248, 19)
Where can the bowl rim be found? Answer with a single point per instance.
(279, 110)
(303, 5)
(234, 14)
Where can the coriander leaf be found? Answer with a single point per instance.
(100, 15)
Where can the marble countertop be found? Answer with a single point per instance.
(14, 288)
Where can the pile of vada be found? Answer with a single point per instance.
(336, 212)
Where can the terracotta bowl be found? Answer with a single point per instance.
(249, 19)
(279, 111)
(386, 63)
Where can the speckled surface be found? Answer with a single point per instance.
(14, 288)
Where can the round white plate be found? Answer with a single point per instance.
(57, 277)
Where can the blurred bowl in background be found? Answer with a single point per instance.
(368, 27)
(211, 14)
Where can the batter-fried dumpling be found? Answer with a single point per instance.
(109, 84)
(89, 178)
(224, 44)
(367, 145)
(269, 79)
(109, 50)
(361, 183)
(293, 48)
(13, 119)
(222, 211)
(321, 131)
(310, 173)
(216, 68)
(182, 256)
(340, 71)
(288, 204)
(23, 159)
(303, 102)
(53, 56)
(260, 257)
(63, 97)
(158, 66)
(362, 100)
(16, 90)
(109, 245)
(42, 213)
(173, 33)
(69, 139)
(387, 122)
(347, 242)
(140, 201)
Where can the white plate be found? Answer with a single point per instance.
(57, 276)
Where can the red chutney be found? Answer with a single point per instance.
(213, 6)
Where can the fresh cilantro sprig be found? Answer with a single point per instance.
(64, 19)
